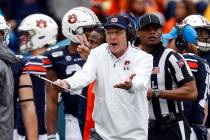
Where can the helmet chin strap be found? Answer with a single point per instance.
(204, 46)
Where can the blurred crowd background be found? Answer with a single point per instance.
(169, 11)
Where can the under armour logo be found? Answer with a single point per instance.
(41, 23)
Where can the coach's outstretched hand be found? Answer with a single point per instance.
(127, 84)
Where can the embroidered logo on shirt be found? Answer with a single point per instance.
(127, 65)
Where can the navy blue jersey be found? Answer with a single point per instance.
(206, 56)
(194, 109)
(35, 65)
(65, 65)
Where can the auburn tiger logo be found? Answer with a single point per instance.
(72, 18)
(41, 23)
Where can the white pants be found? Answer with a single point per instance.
(208, 133)
(72, 130)
(17, 136)
(193, 135)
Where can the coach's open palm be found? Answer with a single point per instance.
(127, 84)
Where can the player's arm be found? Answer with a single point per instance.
(28, 107)
(52, 99)
(205, 112)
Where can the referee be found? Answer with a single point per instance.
(185, 39)
(171, 82)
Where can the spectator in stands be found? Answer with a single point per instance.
(182, 9)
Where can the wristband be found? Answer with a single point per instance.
(156, 93)
(51, 137)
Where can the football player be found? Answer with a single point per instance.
(38, 31)
(65, 61)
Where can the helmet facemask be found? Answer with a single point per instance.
(5, 29)
(25, 40)
(83, 29)
(202, 26)
(4, 37)
(203, 39)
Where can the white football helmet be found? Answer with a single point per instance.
(75, 20)
(43, 31)
(5, 28)
(200, 23)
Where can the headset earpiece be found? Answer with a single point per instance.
(180, 42)
(130, 32)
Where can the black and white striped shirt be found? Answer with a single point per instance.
(170, 72)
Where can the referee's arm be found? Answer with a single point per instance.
(184, 79)
(186, 92)
(182, 76)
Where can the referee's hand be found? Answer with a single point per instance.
(127, 84)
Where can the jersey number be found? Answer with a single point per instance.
(72, 68)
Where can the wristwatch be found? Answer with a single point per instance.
(52, 137)
(156, 93)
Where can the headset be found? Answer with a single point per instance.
(180, 42)
(130, 31)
